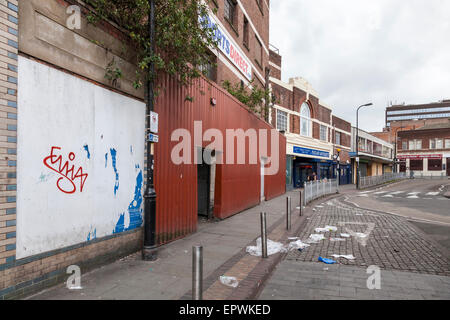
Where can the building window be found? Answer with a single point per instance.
(338, 138)
(432, 143)
(434, 165)
(230, 9)
(416, 165)
(260, 6)
(436, 143)
(246, 32)
(447, 143)
(415, 144)
(404, 145)
(323, 133)
(305, 120)
(259, 52)
(209, 69)
(281, 120)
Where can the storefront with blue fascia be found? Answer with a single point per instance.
(306, 164)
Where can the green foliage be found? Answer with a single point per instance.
(255, 98)
(113, 72)
(182, 42)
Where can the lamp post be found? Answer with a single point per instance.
(149, 252)
(357, 142)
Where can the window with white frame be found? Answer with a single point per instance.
(323, 133)
(447, 143)
(338, 138)
(404, 145)
(415, 144)
(432, 143)
(281, 120)
(305, 120)
(439, 144)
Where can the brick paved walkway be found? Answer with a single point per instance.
(296, 280)
(393, 243)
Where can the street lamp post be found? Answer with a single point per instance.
(357, 142)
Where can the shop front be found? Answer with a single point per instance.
(307, 164)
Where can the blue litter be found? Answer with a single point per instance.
(327, 261)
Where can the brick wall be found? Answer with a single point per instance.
(28, 275)
(8, 128)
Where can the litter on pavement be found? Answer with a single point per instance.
(348, 257)
(337, 239)
(315, 238)
(327, 261)
(297, 245)
(345, 235)
(272, 248)
(361, 235)
(326, 229)
(229, 281)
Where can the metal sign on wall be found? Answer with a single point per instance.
(420, 156)
(311, 152)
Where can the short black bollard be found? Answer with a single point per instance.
(288, 213)
(263, 235)
(301, 204)
(197, 273)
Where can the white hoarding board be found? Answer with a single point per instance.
(80, 160)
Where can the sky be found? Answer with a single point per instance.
(354, 52)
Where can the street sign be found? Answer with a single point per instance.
(357, 159)
(153, 122)
(153, 138)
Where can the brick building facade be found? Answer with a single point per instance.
(317, 141)
(425, 151)
(244, 24)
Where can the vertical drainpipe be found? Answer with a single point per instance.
(267, 87)
(149, 252)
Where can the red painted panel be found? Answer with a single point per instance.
(237, 187)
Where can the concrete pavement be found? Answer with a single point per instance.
(170, 277)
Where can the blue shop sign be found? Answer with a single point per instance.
(311, 152)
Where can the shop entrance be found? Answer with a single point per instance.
(301, 174)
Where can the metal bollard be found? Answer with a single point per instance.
(197, 273)
(301, 204)
(288, 213)
(263, 235)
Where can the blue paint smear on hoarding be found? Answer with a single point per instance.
(114, 163)
(106, 160)
(93, 234)
(134, 209)
(86, 147)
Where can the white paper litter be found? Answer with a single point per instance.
(361, 235)
(337, 239)
(297, 245)
(229, 281)
(272, 248)
(315, 238)
(293, 238)
(345, 235)
(326, 229)
(348, 257)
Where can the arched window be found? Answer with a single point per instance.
(305, 120)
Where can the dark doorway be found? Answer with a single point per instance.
(203, 188)
(448, 167)
(403, 166)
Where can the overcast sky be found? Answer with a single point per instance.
(354, 52)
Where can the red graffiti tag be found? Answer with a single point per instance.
(55, 163)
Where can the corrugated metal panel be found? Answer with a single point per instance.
(237, 187)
